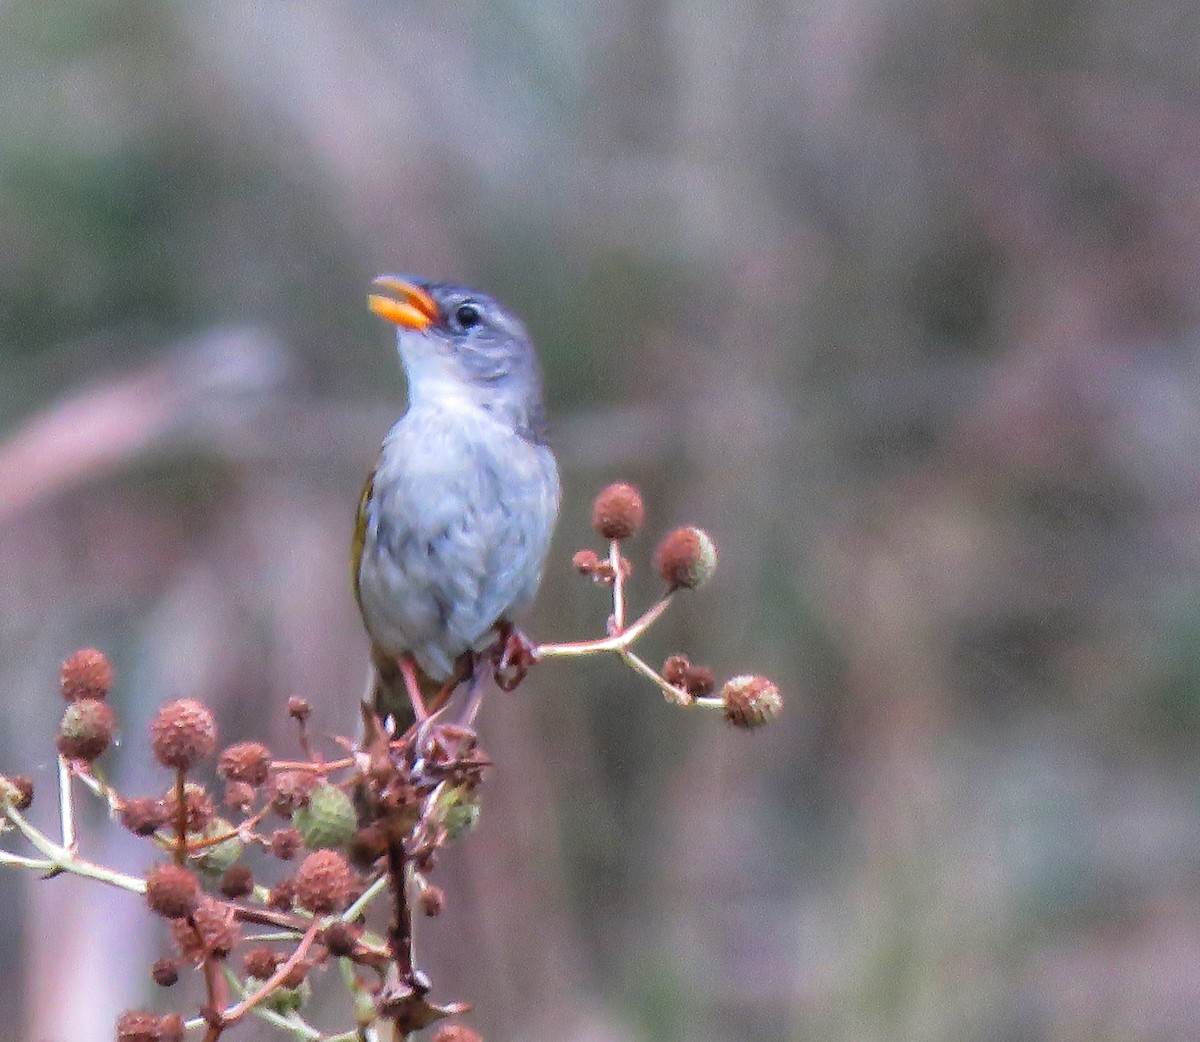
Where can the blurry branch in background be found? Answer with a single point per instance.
(367, 821)
(223, 375)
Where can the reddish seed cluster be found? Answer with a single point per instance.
(143, 816)
(686, 558)
(432, 900)
(696, 681)
(165, 972)
(260, 962)
(750, 701)
(212, 930)
(86, 730)
(323, 882)
(341, 937)
(246, 762)
(457, 1033)
(289, 790)
(198, 807)
(238, 881)
(183, 733)
(618, 512)
(86, 674)
(140, 1026)
(172, 891)
(17, 791)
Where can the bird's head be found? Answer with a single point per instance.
(456, 342)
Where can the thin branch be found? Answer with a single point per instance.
(66, 809)
(617, 642)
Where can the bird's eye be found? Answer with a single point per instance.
(467, 315)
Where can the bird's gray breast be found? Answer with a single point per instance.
(457, 530)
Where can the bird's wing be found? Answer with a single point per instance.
(360, 536)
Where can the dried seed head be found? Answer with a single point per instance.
(289, 790)
(286, 843)
(86, 730)
(686, 558)
(239, 795)
(137, 1025)
(283, 895)
(586, 562)
(432, 900)
(328, 819)
(165, 972)
(245, 762)
(751, 701)
(212, 931)
(199, 809)
(16, 792)
(172, 891)
(143, 816)
(86, 674)
(457, 1033)
(341, 937)
(698, 681)
(675, 669)
(299, 709)
(260, 962)
(323, 882)
(367, 846)
(183, 733)
(237, 881)
(617, 512)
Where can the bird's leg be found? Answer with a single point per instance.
(512, 655)
(408, 669)
(474, 701)
(464, 669)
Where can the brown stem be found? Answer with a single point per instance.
(314, 768)
(400, 935)
(180, 819)
(235, 1013)
(218, 995)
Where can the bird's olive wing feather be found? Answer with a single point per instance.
(360, 537)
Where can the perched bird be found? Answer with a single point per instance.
(455, 521)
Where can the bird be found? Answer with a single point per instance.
(455, 520)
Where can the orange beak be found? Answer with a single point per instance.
(408, 306)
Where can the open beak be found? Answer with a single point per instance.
(406, 304)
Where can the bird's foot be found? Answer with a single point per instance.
(512, 656)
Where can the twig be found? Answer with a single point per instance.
(617, 642)
(66, 810)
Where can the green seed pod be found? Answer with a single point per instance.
(328, 820)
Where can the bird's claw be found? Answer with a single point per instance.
(512, 658)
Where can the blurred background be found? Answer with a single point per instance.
(900, 301)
